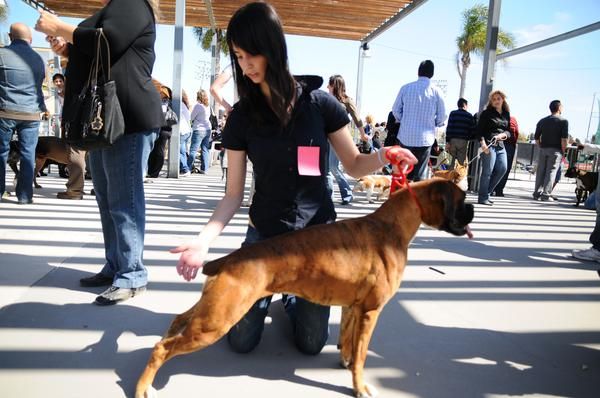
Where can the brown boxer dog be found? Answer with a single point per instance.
(359, 266)
(48, 148)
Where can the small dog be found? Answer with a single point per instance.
(457, 175)
(585, 182)
(380, 184)
(47, 149)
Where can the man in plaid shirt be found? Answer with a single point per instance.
(419, 107)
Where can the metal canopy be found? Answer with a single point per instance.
(339, 19)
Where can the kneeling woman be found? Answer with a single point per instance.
(284, 127)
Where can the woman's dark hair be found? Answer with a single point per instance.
(338, 85)
(256, 29)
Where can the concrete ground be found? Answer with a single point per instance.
(509, 313)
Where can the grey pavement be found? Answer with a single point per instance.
(509, 313)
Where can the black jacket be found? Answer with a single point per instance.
(491, 123)
(130, 28)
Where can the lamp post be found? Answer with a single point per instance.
(590, 119)
(363, 52)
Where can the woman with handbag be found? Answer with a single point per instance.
(156, 159)
(118, 170)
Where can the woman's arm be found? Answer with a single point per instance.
(193, 253)
(52, 26)
(217, 87)
(358, 164)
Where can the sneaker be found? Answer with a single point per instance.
(485, 202)
(590, 254)
(114, 295)
(96, 280)
(347, 200)
(70, 195)
(545, 198)
(536, 195)
(184, 174)
(25, 201)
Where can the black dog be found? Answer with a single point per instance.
(585, 182)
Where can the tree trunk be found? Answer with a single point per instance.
(463, 81)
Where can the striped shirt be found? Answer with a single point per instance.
(419, 107)
(461, 124)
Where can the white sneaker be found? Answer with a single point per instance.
(187, 173)
(590, 254)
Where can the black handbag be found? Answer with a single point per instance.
(170, 116)
(97, 122)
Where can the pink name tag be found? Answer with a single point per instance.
(308, 161)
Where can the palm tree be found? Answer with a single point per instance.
(472, 40)
(3, 11)
(205, 38)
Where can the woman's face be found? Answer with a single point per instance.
(253, 66)
(330, 88)
(497, 101)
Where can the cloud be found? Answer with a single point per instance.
(535, 33)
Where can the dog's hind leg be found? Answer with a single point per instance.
(363, 330)
(223, 303)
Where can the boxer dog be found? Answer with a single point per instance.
(359, 266)
(585, 183)
(378, 184)
(48, 149)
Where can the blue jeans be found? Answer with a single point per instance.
(118, 177)
(310, 322)
(493, 168)
(422, 153)
(335, 172)
(27, 133)
(183, 157)
(200, 139)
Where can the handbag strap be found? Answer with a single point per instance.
(98, 62)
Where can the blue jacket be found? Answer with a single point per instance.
(22, 72)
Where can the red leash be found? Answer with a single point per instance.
(399, 179)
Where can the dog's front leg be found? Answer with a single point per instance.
(365, 324)
(346, 342)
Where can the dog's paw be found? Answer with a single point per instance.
(370, 392)
(344, 363)
(149, 393)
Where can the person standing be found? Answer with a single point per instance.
(510, 145)
(22, 72)
(551, 134)
(117, 171)
(284, 126)
(337, 88)
(185, 131)
(492, 130)
(592, 253)
(460, 129)
(419, 107)
(201, 130)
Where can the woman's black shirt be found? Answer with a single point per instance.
(284, 200)
(491, 123)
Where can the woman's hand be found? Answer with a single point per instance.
(501, 136)
(400, 158)
(48, 23)
(484, 147)
(191, 259)
(58, 45)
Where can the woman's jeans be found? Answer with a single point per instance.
(184, 139)
(335, 172)
(200, 139)
(27, 133)
(493, 168)
(310, 322)
(118, 177)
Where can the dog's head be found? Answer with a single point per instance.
(443, 206)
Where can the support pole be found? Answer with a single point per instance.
(173, 165)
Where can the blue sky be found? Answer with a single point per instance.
(569, 71)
